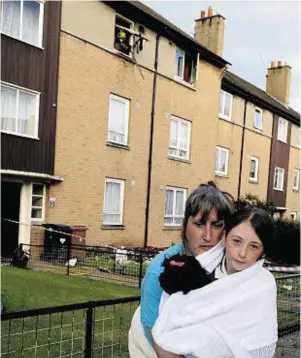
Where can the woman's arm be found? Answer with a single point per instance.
(161, 353)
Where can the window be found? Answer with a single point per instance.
(118, 120)
(23, 20)
(38, 202)
(293, 215)
(174, 206)
(296, 181)
(113, 202)
(258, 118)
(179, 138)
(19, 111)
(225, 105)
(254, 164)
(278, 178)
(123, 38)
(221, 161)
(185, 66)
(282, 130)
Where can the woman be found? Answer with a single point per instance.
(206, 211)
(233, 316)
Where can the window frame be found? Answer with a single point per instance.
(281, 170)
(279, 131)
(38, 207)
(132, 24)
(260, 127)
(298, 139)
(180, 120)
(255, 179)
(126, 102)
(121, 182)
(226, 150)
(297, 187)
(174, 216)
(181, 77)
(41, 23)
(223, 115)
(37, 110)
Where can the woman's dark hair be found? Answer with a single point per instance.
(205, 198)
(260, 221)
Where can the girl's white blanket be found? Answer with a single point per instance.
(239, 309)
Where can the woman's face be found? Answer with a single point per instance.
(242, 248)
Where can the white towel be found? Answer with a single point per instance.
(239, 310)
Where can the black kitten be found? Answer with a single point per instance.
(183, 273)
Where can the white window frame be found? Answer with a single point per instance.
(298, 139)
(121, 182)
(41, 23)
(280, 185)
(38, 207)
(222, 115)
(258, 125)
(174, 216)
(282, 136)
(219, 150)
(126, 102)
(256, 160)
(177, 147)
(181, 77)
(294, 215)
(37, 111)
(296, 187)
(132, 24)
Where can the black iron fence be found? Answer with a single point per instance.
(86, 330)
(100, 329)
(113, 265)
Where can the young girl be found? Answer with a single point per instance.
(231, 312)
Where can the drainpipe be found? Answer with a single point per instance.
(242, 150)
(150, 154)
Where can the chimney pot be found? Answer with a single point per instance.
(272, 64)
(203, 14)
(279, 63)
(210, 11)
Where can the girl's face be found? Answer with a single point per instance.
(242, 248)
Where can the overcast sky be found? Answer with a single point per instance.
(256, 33)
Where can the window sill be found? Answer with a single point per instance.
(184, 83)
(258, 129)
(37, 222)
(252, 181)
(278, 189)
(172, 228)
(118, 145)
(25, 42)
(179, 159)
(20, 135)
(295, 190)
(112, 227)
(123, 55)
(282, 141)
(228, 119)
(221, 175)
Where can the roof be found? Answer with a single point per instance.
(233, 82)
(164, 26)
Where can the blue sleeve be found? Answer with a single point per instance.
(151, 293)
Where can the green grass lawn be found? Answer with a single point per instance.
(62, 334)
(25, 289)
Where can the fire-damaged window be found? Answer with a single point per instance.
(123, 36)
(185, 66)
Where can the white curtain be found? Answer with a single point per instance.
(27, 113)
(221, 100)
(179, 207)
(173, 133)
(31, 17)
(222, 161)
(117, 121)
(8, 109)
(112, 203)
(11, 18)
(227, 104)
(183, 137)
(169, 207)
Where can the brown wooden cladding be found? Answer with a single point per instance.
(279, 158)
(37, 69)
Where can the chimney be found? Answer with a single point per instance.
(209, 31)
(279, 81)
